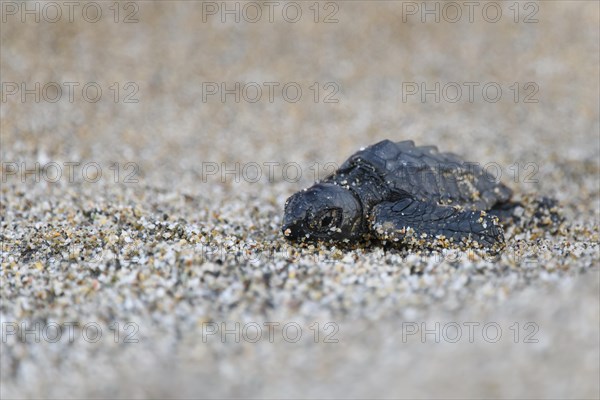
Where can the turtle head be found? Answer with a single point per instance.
(322, 212)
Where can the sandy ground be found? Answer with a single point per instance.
(141, 251)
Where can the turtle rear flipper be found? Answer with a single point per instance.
(507, 212)
(408, 221)
(539, 212)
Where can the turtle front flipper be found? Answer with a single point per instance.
(408, 221)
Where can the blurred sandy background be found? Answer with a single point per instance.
(67, 246)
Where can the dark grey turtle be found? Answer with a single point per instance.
(404, 194)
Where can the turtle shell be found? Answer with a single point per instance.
(427, 174)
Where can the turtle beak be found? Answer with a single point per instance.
(292, 228)
(288, 230)
(294, 218)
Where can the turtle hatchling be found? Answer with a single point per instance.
(404, 195)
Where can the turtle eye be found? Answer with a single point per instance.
(327, 219)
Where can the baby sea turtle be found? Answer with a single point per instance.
(402, 194)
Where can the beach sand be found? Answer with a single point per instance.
(147, 156)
